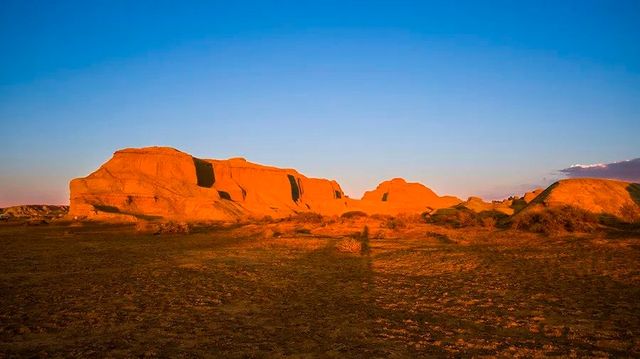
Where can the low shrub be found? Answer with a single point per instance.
(267, 219)
(171, 228)
(458, 217)
(380, 217)
(403, 221)
(393, 223)
(558, 220)
(442, 238)
(492, 219)
(452, 217)
(411, 218)
(488, 222)
(307, 217)
(302, 230)
(329, 220)
(36, 222)
(354, 214)
(630, 213)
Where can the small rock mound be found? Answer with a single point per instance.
(412, 197)
(477, 205)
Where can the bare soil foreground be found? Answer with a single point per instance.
(319, 290)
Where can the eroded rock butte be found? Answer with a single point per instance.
(161, 182)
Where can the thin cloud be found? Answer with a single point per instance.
(623, 170)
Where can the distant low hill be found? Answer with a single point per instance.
(34, 211)
(507, 206)
(600, 196)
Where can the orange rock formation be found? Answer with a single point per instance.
(160, 182)
(400, 195)
(164, 182)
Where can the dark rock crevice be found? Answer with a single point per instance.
(204, 173)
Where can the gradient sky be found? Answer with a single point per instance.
(470, 98)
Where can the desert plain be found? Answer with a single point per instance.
(299, 287)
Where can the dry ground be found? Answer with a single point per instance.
(86, 291)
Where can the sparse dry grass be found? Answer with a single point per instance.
(553, 221)
(162, 227)
(96, 290)
(349, 245)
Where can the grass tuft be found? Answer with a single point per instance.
(553, 221)
(460, 217)
(354, 214)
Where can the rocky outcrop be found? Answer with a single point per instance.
(164, 183)
(160, 182)
(599, 196)
(402, 196)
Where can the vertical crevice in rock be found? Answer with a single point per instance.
(295, 190)
(204, 173)
(300, 187)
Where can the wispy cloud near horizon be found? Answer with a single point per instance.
(624, 170)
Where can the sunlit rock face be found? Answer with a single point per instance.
(147, 183)
(530, 196)
(264, 190)
(600, 196)
(401, 195)
(164, 182)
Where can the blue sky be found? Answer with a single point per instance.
(469, 98)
